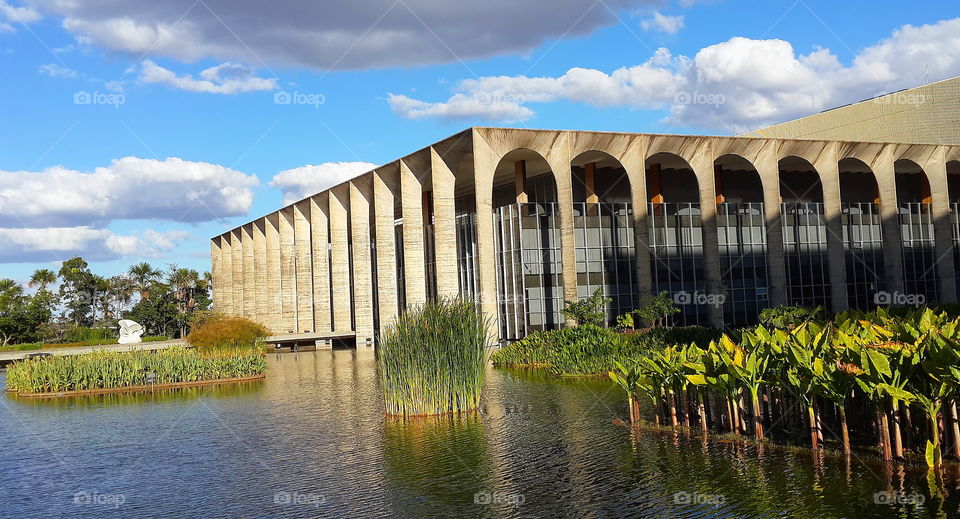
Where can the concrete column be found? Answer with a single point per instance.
(827, 167)
(319, 239)
(936, 171)
(703, 167)
(634, 163)
(561, 171)
(361, 191)
(262, 299)
(249, 273)
(239, 283)
(589, 172)
(384, 187)
(288, 277)
(340, 259)
(768, 168)
(229, 286)
(216, 273)
(411, 207)
(303, 266)
(883, 170)
(484, 166)
(274, 286)
(520, 181)
(444, 227)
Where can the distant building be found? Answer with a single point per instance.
(521, 220)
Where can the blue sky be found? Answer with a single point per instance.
(137, 130)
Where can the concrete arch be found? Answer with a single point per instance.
(806, 187)
(738, 180)
(811, 273)
(915, 185)
(629, 150)
(700, 191)
(862, 183)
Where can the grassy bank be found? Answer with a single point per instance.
(89, 342)
(103, 369)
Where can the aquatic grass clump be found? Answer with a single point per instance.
(432, 360)
(111, 369)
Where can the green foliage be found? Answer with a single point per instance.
(432, 361)
(786, 317)
(657, 309)
(92, 335)
(593, 350)
(625, 321)
(217, 333)
(590, 310)
(105, 369)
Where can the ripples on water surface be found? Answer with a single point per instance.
(311, 441)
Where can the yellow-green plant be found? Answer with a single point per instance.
(110, 369)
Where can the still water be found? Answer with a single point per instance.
(311, 441)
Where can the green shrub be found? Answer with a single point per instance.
(593, 350)
(657, 309)
(657, 338)
(590, 310)
(788, 317)
(219, 333)
(110, 369)
(432, 360)
(91, 335)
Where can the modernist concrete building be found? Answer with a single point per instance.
(521, 220)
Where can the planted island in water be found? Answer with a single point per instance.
(225, 348)
(109, 369)
(432, 360)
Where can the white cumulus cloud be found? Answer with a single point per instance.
(10, 16)
(299, 183)
(663, 23)
(61, 243)
(54, 70)
(226, 78)
(129, 188)
(739, 84)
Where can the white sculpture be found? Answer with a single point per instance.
(130, 332)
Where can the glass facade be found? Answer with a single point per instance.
(743, 261)
(676, 258)
(863, 252)
(917, 250)
(605, 259)
(529, 268)
(805, 254)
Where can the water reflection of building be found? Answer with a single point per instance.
(522, 220)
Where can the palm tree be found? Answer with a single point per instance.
(41, 278)
(143, 276)
(9, 286)
(183, 281)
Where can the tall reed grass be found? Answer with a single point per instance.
(432, 360)
(110, 369)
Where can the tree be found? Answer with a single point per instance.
(41, 278)
(143, 277)
(20, 315)
(77, 291)
(590, 310)
(657, 309)
(121, 290)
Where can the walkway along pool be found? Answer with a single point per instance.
(311, 441)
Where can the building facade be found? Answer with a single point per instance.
(522, 220)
